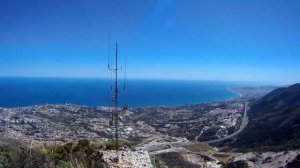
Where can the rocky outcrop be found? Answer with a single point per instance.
(127, 159)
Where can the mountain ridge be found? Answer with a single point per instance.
(274, 121)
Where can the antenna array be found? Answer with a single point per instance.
(115, 111)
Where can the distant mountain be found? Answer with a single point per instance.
(274, 121)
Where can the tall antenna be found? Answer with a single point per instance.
(115, 99)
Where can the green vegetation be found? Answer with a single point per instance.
(21, 157)
(274, 121)
(81, 155)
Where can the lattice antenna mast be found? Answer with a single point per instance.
(115, 99)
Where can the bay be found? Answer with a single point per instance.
(18, 92)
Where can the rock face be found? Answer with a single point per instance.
(127, 159)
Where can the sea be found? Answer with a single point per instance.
(19, 92)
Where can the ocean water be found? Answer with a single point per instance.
(18, 92)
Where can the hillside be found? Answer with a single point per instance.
(274, 121)
(83, 154)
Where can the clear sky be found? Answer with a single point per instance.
(227, 40)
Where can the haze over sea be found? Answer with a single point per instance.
(18, 92)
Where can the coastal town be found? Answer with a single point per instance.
(68, 123)
(185, 132)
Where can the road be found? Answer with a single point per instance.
(242, 127)
(178, 147)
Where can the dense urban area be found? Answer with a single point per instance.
(68, 123)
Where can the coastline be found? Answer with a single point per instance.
(134, 107)
(235, 91)
(96, 93)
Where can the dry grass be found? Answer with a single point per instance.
(201, 148)
(223, 157)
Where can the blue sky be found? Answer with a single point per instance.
(227, 40)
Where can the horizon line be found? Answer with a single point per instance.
(276, 83)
